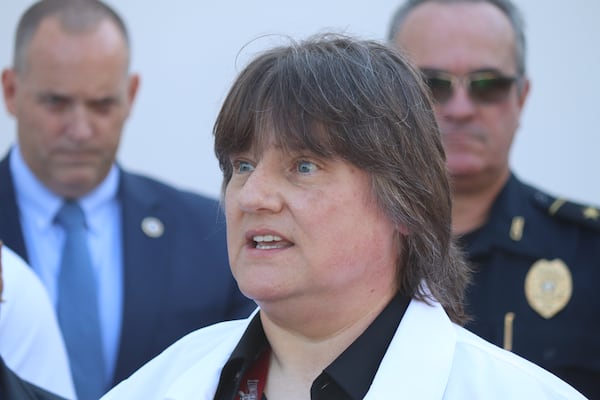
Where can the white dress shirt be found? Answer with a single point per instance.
(44, 240)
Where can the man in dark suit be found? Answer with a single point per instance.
(155, 256)
(536, 257)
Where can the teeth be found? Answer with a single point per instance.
(268, 246)
(266, 238)
(267, 242)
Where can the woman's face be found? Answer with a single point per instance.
(303, 227)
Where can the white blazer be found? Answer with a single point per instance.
(30, 340)
(429, 358)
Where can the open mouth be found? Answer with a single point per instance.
(269, 242)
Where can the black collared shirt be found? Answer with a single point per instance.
(348, 377)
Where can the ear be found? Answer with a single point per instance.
(134, 83)
(9, 90)
(402, 230)
(524, 92)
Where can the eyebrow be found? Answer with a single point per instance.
(490, 70)
(47, 95)
(475, 71)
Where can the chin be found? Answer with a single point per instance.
(263, 292)
(259, 293)
(463, 168)
(75, 187)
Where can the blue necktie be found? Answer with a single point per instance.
(77, 306)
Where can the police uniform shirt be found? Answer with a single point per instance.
(346, 378)
(535, 284)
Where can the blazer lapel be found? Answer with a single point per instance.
(419, 359)
(10, 226)
(145, 268)
(201, 379)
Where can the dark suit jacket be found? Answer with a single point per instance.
(14, 388)
(567, 343)
(173, 284)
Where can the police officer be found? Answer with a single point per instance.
(536, 257)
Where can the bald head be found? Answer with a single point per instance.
(510, 12)
(73, 16)
(477, 35)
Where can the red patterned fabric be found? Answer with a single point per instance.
(253, 383)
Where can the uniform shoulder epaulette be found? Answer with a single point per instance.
(585, 215)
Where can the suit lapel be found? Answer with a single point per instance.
(201, 378)
(418, 362)
(10, 225)
(145, 268)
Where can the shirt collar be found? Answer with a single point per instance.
(43, 204)
(366, 351)
(513, 211)
(480, 240)
(248, 349)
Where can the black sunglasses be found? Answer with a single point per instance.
(484, 87)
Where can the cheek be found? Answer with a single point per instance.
(110, 129)
(504, 121)
(438, 112)
(353, 255)
(345, 231)
(40, 125)
(229, 204)
(232, 224)
(39, 132)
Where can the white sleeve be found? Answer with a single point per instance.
(30, 340)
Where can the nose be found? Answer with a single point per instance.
(79, 126)
(260, 193)
(459, 106)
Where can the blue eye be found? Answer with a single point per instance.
(241, 166)
(306, 167)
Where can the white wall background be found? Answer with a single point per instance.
(187, 54)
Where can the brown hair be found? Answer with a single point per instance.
(363, 102)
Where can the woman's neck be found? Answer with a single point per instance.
(303, 346)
